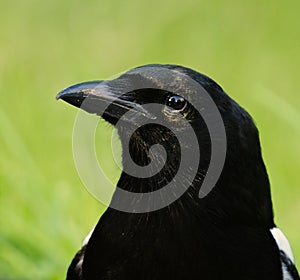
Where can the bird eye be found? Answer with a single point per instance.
(176, 102)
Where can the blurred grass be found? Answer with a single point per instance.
(251, 48)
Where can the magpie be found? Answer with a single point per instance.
(228, 233)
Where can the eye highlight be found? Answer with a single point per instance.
(176, 102)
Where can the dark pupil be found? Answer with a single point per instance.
(176, 102)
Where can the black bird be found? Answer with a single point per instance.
(228, 233)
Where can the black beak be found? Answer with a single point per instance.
(98, 97)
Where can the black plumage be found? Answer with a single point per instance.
(225, 235)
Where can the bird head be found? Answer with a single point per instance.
(183, 114)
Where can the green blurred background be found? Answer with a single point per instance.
(250, 47)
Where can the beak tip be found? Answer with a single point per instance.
(58, 96)
(61, 94)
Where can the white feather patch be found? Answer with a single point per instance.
(282, 243)
(87, 238)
